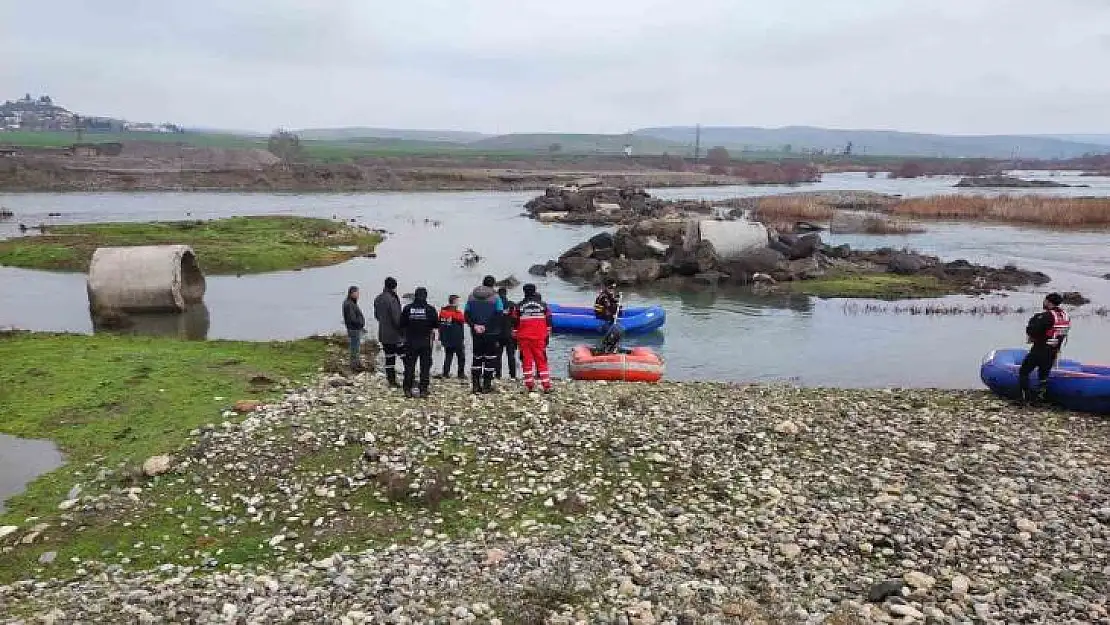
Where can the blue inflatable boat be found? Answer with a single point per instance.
(1071, 384)
(581, 320)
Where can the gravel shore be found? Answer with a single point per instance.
(606, 504)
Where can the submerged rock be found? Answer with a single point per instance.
(1075, 298)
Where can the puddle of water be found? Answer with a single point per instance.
(21, 461)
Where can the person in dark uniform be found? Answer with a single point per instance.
(1047, 332)
(356, 327)
(451, 324)
(484, 314)
(419, 322)
(387, 312)
(606, 308)
(506, 344)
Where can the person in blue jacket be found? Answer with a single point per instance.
(484, 313)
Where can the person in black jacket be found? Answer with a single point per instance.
(387, 312)
(506, 344)
(419, 322)
(356, 327)
(484, 313)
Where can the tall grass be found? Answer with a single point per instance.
(1029, 209)
(791, 208)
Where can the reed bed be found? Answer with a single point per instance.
(1028, 209)
(950, 310)
(785, 209)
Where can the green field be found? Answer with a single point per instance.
(115, 401)
(237, 245)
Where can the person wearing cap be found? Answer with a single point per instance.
(419, 322)
(484, 313)
(506, 344)
(1046, 331)
(387, 312)
(531, 322)
(355, 323)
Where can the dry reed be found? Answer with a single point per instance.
(1029, 209)
(776, 209)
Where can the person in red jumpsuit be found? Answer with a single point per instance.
(531, 321)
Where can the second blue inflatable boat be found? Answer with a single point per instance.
(1072, 384)
(581, 320)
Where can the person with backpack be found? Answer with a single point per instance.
(484, 313)
(1046, 331)
(419, 322)
(451, 324)
(531, 321)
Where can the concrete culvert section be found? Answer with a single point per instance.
(730, 239)
(149, 278)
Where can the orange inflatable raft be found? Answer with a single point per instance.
(638, 364)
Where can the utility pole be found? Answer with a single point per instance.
(79, 127)
(697, 143)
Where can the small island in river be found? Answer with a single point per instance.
(232, 246)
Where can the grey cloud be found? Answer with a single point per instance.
(574, 66)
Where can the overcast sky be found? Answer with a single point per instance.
(954, 66)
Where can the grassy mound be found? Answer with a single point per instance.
(236, 245)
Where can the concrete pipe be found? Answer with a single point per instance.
(149, 278)
(730, 239)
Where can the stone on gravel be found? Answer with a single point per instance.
(246, 405)
(882, 590)
(960, 585)
(156, 465)
(787, 427)
(919, 580)
(6, 530)
(790, 550)
(907, 610)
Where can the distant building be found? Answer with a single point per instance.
(627, 150)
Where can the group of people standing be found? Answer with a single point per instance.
(498, 327)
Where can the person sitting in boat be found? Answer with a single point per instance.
(607, 303)
(607, 308)
(1047, 332)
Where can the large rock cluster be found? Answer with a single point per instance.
(606, 205)
(604, 504)
(660, 250)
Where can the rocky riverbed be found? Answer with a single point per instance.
(675, 503)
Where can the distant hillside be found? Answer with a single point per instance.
(876, 142)
(344, 134)
(1096, 139)
(579, 144)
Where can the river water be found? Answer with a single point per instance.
(709, 335)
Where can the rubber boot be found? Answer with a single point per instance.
(391, 378)
(476, 382)
(487, 383)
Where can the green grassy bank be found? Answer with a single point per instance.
(237, 245)
(113, 402)
(885, 286)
